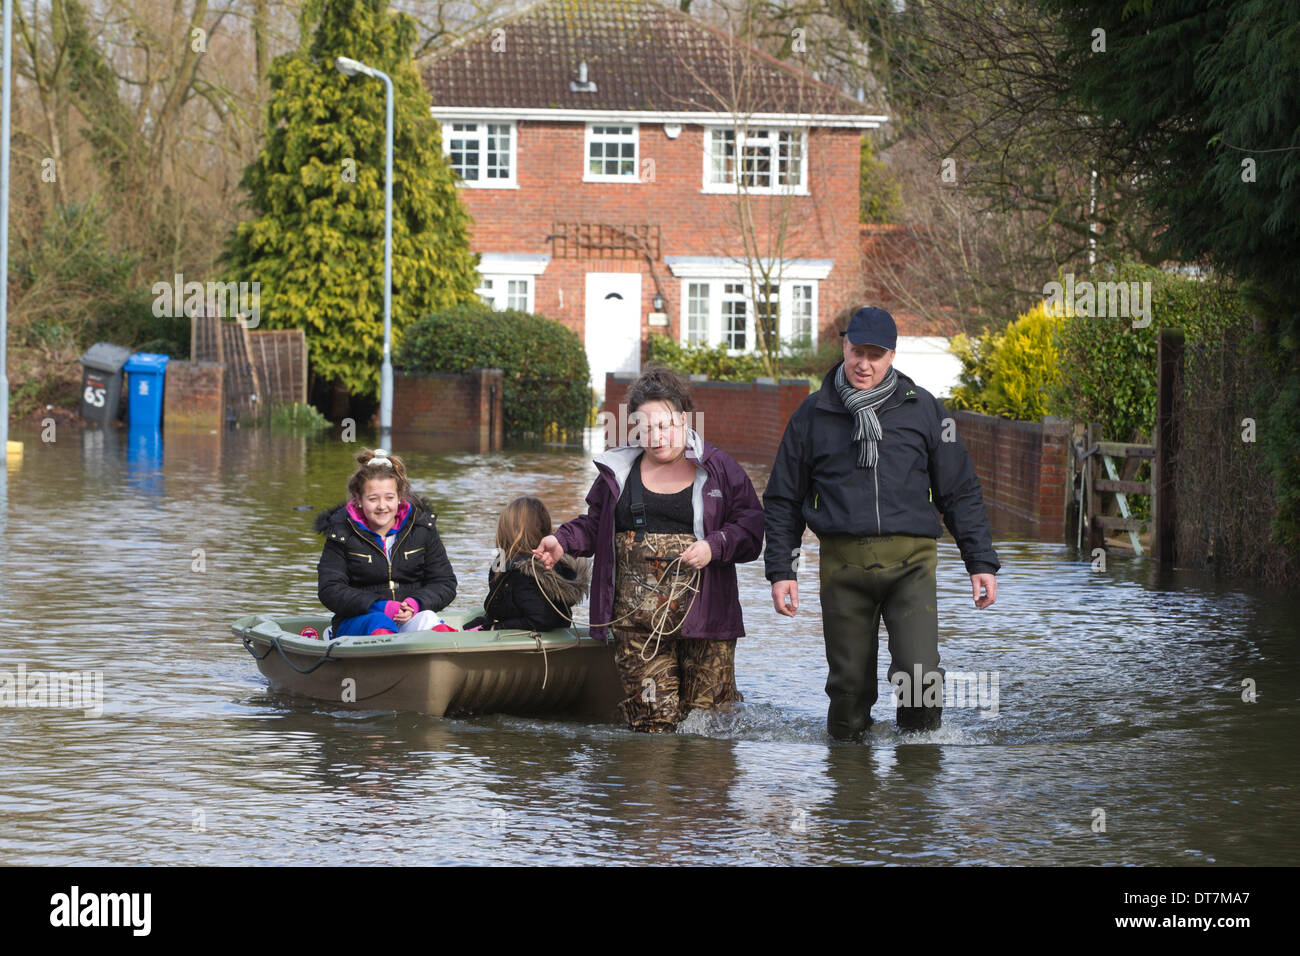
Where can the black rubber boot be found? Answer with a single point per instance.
(919, 720)
(848, 718)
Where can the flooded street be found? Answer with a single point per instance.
(1119, 699)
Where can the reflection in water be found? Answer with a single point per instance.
(1120, 692)
(144, 460)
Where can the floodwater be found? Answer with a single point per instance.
(1122, 731)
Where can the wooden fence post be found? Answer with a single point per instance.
(1090, 510)
(1169, 382)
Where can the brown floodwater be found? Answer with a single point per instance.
(1121, 697)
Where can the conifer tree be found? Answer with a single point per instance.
(315, 241)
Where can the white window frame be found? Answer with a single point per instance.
(687, 301)
(481, 133)
(727, 292)
(771, 135)
(498, 296)
(715, 330)
(788, 310)
(591, 137)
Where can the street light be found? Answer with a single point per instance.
(7, 79)
(350, 67)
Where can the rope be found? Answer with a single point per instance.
(248, 646)
(546, 664)
(275, 642)
(659, 616)
(275, 645)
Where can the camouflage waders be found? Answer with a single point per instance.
(863, 579)
(667, 677)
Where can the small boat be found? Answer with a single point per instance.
(562, 673)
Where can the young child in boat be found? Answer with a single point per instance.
(522, 592)
(383, 568)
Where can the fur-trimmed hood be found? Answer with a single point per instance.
(339, 513)
(567, 583)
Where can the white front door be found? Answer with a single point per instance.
(613, 331)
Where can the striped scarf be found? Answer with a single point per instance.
(862, 403)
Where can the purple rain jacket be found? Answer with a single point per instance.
(728, 516)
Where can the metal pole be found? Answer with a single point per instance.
(350, 67)
(386, 375)
(7, 78)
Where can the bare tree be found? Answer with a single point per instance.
(771, 218)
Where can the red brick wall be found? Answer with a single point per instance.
(194, 395)
(1022, 468)
(744, 419)
(824, 224)
(464, 408)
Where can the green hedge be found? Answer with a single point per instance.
(546, 384)
(1108, 367)
(701, 360)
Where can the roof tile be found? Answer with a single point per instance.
(640, 56)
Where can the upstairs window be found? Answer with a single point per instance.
(759, 160)
(483, 154)
(611, 153)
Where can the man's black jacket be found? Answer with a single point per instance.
(816, 481)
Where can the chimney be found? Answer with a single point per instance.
(582, 84)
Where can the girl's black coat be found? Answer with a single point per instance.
(354, 572)
(515, 599)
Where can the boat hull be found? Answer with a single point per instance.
(562, 673)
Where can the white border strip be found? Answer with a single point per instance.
(699, 118)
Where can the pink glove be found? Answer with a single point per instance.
(391, 608)
(413, 604)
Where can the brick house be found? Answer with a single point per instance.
(632, 171)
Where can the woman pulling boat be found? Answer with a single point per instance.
(383, 568)
(667, 520)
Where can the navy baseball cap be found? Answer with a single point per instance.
(872, 326)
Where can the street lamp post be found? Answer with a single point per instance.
(7, 79)
(350, 67)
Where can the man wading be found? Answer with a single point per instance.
(864, 463)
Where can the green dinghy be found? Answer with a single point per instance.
(564, 672)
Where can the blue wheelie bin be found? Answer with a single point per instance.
(147, 371)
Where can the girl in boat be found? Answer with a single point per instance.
(383, 568)
(523, 592)
(667, 520)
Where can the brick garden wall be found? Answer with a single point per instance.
(744, 419)
(465, 409)
(194, 395)
(1023, 472)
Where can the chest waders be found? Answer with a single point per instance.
(862, 581)
(664, 675)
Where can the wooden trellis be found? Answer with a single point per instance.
(280, 358)
(215, 340)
